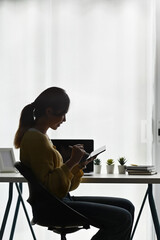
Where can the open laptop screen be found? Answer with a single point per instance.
(62, 145)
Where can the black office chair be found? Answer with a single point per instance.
(48, 210)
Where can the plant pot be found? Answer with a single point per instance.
(110, 169)
(121, 169)
(97, 169)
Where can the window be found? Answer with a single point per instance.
(101, 52)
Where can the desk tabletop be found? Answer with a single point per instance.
(122, 178)
(12, 177)
(95, 178)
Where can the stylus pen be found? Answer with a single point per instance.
(86, 153)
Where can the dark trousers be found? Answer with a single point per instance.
(113, 216)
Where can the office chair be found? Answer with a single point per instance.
(48, 210)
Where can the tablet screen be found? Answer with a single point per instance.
(97, 152)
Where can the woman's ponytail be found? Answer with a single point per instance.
(26, 122)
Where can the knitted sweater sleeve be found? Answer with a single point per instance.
(46, 162)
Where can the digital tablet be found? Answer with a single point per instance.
(96, 152)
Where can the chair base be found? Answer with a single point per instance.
(63, 237)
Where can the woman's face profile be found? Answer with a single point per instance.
(54, 121)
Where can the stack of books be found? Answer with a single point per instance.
(141, 170)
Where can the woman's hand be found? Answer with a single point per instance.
(84, 164)
(77, 153)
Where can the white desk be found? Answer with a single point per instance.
(17, 179)
(12, 177)
(96, 178)
(122, 178)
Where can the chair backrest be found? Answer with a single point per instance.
(48, 210)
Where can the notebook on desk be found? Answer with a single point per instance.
(62, 145)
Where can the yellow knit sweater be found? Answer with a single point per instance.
(38, 153)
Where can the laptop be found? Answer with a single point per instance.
(62, 145)
(7, 160)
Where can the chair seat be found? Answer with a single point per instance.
(64, 230)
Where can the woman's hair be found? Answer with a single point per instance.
(53, 97)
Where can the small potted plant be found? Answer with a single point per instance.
(122, 167)
(97, 165)
(110, 166)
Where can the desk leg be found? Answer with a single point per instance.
(153, 211)
(24, 208)
(15, 215)
(7, 210)
(139, 214)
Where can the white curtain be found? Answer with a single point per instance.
(102, 53)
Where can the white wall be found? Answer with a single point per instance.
(156, 116)
(101, 52)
